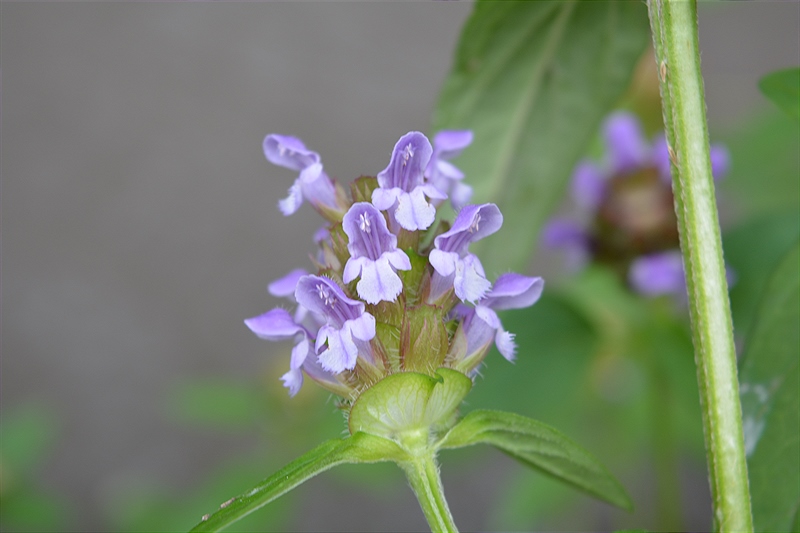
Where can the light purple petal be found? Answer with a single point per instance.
(352, 269)
(514, 291)
(398, 259)
(292, 203)
(293, 380)
(479, 336)
(288, 152)
(460, 195)
(449, 143)
(588, 185)
(626, 145)
(413, 211)
(379, 282)
(470, 282)
(658, 274)
(506, 345)
(341, 353)
(274, 325)
(443, 262)
(431, 191)
(472, 223)
(363, 328)
(443, 172)
(720, 161)
(410, 156)
(284, 287)
(322, 234)
(299, 354)
(384, 199)
(488, 315)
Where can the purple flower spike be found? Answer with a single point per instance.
(481, 325)
(347, 322)
(627, 147)
(278, 325)
(658, 274)
(443, 174)
(451, 258)
(313, 184)
(588, 185)
(402, 186)
(373, 254)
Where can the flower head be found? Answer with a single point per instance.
(373, 309)
(627, 199)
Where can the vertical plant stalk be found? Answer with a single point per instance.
(674, 27)
(423, 475)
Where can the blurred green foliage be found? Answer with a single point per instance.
(782, 87)
(770, 391)
(28, 432)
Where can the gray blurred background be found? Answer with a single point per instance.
(139, 218)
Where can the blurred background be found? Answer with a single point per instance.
(140, 227)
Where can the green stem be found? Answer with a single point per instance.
(423, 474)
(674, 26)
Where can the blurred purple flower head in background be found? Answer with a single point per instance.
(627, 219)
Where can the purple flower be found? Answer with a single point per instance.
(278, 325)
(348, 327)
(373, 254)
(627, 148)
(444, 175)
(657, 274)
(402, 188)
(568, 235)
(284, 288)
(454, 265)
(588, 185)
(482, 325)
(313, 184)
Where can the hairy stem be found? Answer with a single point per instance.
(423, 475)
(674, 26)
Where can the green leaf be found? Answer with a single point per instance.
(783, 88)
(533, 81)
(541, 447)
(359, 448)
(770, 393)
(409, 402)
(753, 250)
(765, 163)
